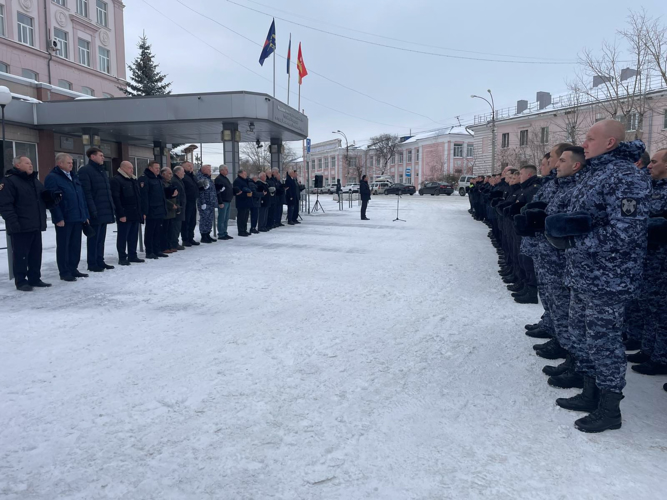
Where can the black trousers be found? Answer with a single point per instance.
(175, 231)
(242, 220)
(254, 217)
(263, 214)
(152, 236)
(127, 239)
(190, 222)
(27, 253)
(364, 206)
(95, 246)
(68, 247)
(271, 215)
(165, 234)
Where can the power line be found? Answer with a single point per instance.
(310, 71)
(403, 49)
(403, 41)
(263, 77)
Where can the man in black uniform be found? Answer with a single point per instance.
(23, 206)
(191, 195)
(127, 202)
(154, 209)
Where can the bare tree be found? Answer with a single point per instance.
(255, 159)
(576, 119)
(385, 146)
(355, 166)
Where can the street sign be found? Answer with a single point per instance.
(407, 172)
(307, 145)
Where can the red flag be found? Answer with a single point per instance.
(300, 65)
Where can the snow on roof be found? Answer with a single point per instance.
(25, 98)
(457, 130)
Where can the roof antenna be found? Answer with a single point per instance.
(458, 118)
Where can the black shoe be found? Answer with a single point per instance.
(96, 269)
(555, 351)
(632, 345)
(194, 243)
(511, 279)
(665, 387)
(254, 231)
(534, 326)
(588, 400)
(538, 334)
(650, 368)
(280, 225)
(136, 260)
(67, 278)
(244, 235)
(530, 297)
(187, 244)
(227, 238)
(107, 266)
(263, 230)
(24, 287)
(151, 256)
(123, 262)
(161, 254)
(606, 417)
(522, 291)
(638, 357)
(290, 223)
(77, 274)
(516, 287)
(39, 284)
(553, 371)
(206, 238)
(365, 218)
(180, 247)
(213, 240)
(567, 380)
(546, 345)
(297, 222)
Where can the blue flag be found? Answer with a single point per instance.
(269, 44)
(289, 55)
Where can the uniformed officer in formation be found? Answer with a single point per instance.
(595, 232)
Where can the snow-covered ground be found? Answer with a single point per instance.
(339, 359)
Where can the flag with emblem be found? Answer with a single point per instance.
(301, 66)
(269, 45)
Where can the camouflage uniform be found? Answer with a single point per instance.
(207, 198)
(604, 268)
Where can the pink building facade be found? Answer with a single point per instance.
(76, 45)
(524, 133)
(420, 158)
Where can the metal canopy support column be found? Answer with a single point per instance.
(157, 153)
(231, 138)
(276, 154)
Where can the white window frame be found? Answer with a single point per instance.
(91, 93)
(3, 28)
(333, 162)
(505, 140)
(417, 155)
(33, 76)
(458, 150)
(326, 163)
(393, 159)
(470, 150)
(69, 84)
(82, 7)
(104, 12)
(544, 135)
(6, 66)
(62, 3)
(400, 158)
(319, 164)
(523, 137)
(104, 61)
(107, 96)
(25, 31)
(409, 155)
(64, 43)
(84, 53)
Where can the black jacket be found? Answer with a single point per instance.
(22, 203)
(364, 191)
(153, 202)
(182, 199)
(528, 189)
(241, 190)
(96, 187)
(73, 207)
(191, 187)
(263, 187)
(225, 195)
(256, 194)
(273, 183)
(126, 197)
(291, 191)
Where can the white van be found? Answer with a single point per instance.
(464, 182)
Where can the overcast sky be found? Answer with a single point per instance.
(432, 90)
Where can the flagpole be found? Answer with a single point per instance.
(274, 74)
(289, 69)
(299, 108)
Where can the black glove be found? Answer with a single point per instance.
(568, 224)
(515, 208)
(521, 226)
(496, 195)
(657, 231)
(535, 218)
(496, 201)
(540, 205)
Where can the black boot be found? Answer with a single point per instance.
(529, 297)
(567, 380)
(516, 287)
(511, 279)
(538, 334)
(638, 357)
(123, 262)
(632, 345)
(554, 351)
(586, 401)
(534, 326)
(650, 368)
(206, 238)
(606, 417)
(665, 387)
(553, 371)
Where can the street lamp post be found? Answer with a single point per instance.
(5, 98)
(347, 152)
(492, 104)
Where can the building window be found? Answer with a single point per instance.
(458, 150)
(102, 16)
(333, 162)
(505, 140)
(14, 149)
(64, 84)
(416, 156)
(326, 163)
(400, 158)
(409, 155)
(84, 52)
(4, 68)
(82, 7)
(631, 122)
(664, 125)
(105, 61)
(29, 74)
(107, 96)
(523, 138)
(544, 135)
(87, 91)
(3, 32)
(26, 30)
(63, 42)
(61, 2)
(378, 160)
(319, 164)
(393, 160)
(470, 150)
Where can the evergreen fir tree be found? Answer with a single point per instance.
(145, 78)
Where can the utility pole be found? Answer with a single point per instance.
(492, 104)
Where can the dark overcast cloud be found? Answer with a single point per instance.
(437, 87)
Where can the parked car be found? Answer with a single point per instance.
(331, 189)
(399, 188)
(351, 188)
(436, 189)
(379, 187)
(464, 182)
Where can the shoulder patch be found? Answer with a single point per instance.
(629, 207)
(2, 186)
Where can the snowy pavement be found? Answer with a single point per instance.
(339, 359)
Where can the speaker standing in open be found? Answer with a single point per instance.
(365, 194)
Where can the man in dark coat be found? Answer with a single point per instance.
(271, 212)
(181, 201)
(256, 203)
(68, 216)
(243, 195)
(279, 198)
(263, 187)
(225, 193)
(365, 194)
(291, 196)
(23, 206)
(191, 196)
(127, 203)
(208, 200)
(154, 209)
(96, 187)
